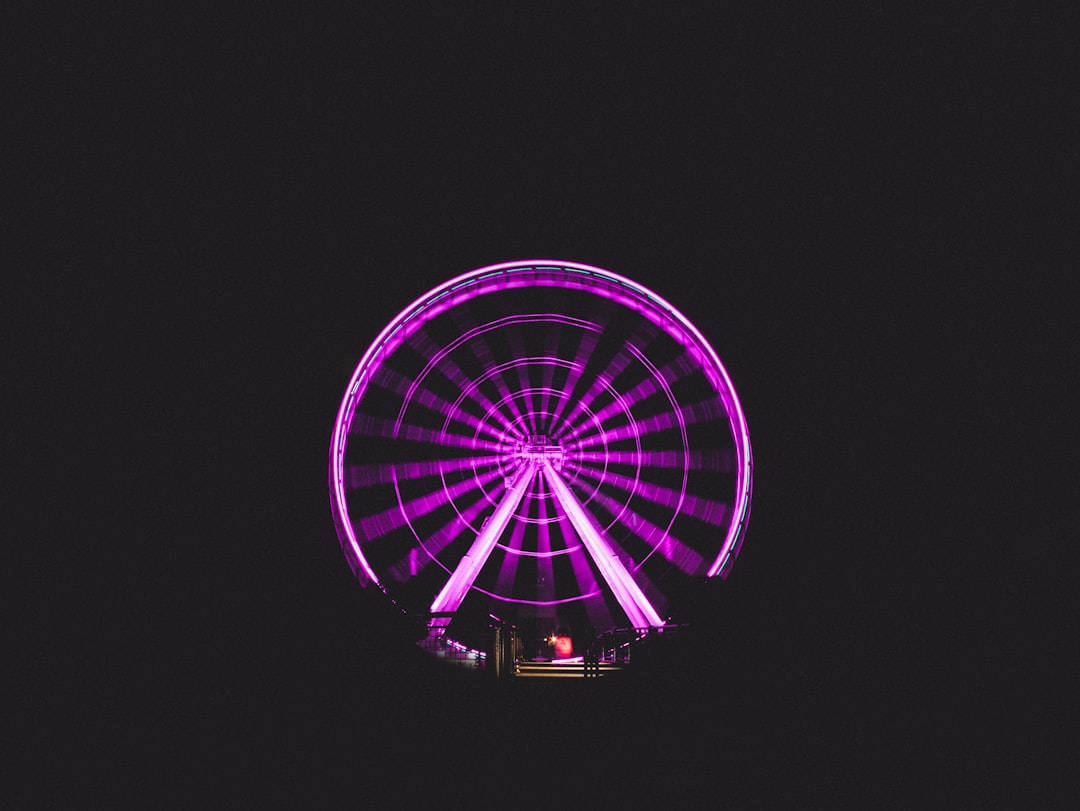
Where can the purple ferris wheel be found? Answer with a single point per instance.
(544, 442)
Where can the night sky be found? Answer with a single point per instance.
(859, 212)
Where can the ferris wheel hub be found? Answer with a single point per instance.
(538, 450)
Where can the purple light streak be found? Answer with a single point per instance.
(635, 430)
(433, 544)
(703, 509)
(399, 384)
(586, 347)
(473, 338)
(627, 593)
(510, 561)
(370, 475)
(673, 550)
(453, 593)
(379, 426)
(441, 362)
(603, 382)
(375, 526)
(515, 415)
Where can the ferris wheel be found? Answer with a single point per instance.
(544, 442)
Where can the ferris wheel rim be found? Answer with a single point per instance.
(724, 388)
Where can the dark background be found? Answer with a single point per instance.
(862, 212)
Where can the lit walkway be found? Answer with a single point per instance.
(568, 670)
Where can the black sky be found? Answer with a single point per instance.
(859, 211)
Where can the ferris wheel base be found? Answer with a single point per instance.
(614, 651)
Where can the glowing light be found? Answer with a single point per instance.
(629, 596)
(564, 646)
(452, 594)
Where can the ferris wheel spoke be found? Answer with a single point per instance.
(679, 417)
(403, 513)
(602, 382)
(509, 566)
(627, 593)
(586, 348)
(711, 461)
(584, 574)
(437, 541)
(358, 476)
(619, 362)
(551, 349)
(371, 426)
(633, 430)
(643, 391)
(703, 509)
(659, 380)
(449, 599)
(656, 537)
(512, 416)
(420, 433)
(524, 387)
(496, 414)
(438, 359)
(656, 493)
(545, 570)
(452, 412)
(496, 374)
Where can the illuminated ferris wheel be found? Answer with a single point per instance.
(544, 442)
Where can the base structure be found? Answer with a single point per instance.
(508, 657)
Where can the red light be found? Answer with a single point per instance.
(563, 647)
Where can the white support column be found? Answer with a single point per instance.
(627, 592)
(453, 593)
